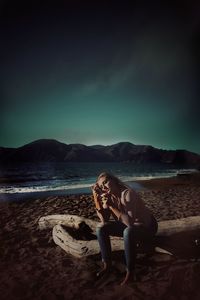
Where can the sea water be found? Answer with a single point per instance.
(68, 178)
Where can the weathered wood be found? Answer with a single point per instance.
(166, 228)
(81, 248)
(170, 227)
(72, 221)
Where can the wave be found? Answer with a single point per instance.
(75, 186)
(13, 190)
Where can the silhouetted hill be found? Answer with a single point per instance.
(40, 150)
(53, 151)
(130, 152)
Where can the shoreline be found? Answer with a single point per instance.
(189, 179)
(67, 192)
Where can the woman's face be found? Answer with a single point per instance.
(107, 185)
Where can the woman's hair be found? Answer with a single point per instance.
(110, 176)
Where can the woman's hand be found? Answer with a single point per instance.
(106, 200)
(96, 188)
(97, 196)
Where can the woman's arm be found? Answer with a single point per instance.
(129, 214)
(102, 213)
(96, 197)
(124, 218)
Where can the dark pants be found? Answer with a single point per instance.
(130, 234)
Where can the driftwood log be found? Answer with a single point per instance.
(72, 221)
(81, 248)
(73, 244)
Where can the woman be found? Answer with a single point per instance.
(132, 220)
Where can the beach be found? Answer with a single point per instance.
(34, 267)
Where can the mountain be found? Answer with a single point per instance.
(53, 151)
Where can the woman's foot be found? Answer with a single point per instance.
(128, 278)
(105, 269)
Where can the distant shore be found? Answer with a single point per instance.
(181, 179)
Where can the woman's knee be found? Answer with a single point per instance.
(128, 231)
(101, 230)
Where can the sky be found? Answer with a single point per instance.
(100, 72)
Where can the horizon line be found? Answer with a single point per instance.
(96, 144)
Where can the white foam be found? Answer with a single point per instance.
(77, 186)
(13, 190)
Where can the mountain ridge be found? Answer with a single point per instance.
(50, 150)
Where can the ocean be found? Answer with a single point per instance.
(27, 179)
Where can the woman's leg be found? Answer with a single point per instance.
(129, 247)
(130, 253)
(103, 235)
(104, 242)
(132, 235)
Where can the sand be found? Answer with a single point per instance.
(33, 267)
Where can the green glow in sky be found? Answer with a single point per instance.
(100, 83)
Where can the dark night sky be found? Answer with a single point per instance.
(100, 72)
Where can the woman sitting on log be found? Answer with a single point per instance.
(132, 220)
